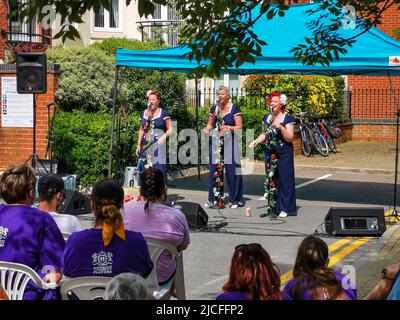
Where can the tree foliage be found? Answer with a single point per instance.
(221, 30)
(88, 75)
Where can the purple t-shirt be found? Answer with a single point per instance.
(86, 255)
(31, 237)
(351, 293)
(234, 295)
(163, 223)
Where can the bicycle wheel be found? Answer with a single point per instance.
(306, 146)
(331, 144)
(320, 143)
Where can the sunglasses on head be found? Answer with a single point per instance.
(245, 246)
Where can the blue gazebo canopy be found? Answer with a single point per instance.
(373, 53)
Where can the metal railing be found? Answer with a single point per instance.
(167, 29)
(24, 37)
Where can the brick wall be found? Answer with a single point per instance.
(16, 144)
(347, 130)
(390, 21)
(3, 25)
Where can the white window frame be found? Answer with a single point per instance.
(106, 27)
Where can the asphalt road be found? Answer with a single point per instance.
(207, 260)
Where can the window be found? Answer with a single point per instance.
(157, 11)
(22, 31)
(110, 21)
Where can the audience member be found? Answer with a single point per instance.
(156, 220)
(28, 235)
(313, 279)
(127, 286)
(388, 287)
(107, 249)
(253, 275)
(51, 193)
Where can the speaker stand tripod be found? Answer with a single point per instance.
(395, 213)
(34, 157)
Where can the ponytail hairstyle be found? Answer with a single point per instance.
(151, 186)
(108, 197)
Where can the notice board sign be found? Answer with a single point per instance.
(16, 109)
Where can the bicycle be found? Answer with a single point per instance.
(318, 140)
(323, 127)
(306, 135)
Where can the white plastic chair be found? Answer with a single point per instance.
(84, 288)
(66, 235)
(15, 276)
(163, 292)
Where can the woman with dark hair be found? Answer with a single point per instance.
(107, 249)
(313, 279)
(253, 275)
(282, 128)
(155, 128)
(155, 220)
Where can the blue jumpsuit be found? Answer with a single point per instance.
(286, 197)
(158, 152)
(231, 158)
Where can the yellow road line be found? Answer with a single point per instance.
(351, 247)
(336, 257)
(392, 219)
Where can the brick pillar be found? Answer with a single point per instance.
(16, 144)
(3, 26)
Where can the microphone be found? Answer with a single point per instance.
(149, 105)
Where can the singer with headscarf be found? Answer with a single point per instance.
(155, 128)
(227, 118)
(283, 130)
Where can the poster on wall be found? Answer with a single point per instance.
(16, 109)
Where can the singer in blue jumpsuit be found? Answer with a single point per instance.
(286, 196)
(162, 124)
(232, 121)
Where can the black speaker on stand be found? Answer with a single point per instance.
(32, 79)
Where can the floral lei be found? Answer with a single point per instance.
(218, 177)
(148, 135)
(270, 184)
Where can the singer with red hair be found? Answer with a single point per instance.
(283, 131)
(155, 128)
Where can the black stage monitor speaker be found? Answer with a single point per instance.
(196, 217)
(355, 221)
(74, 203)
(31, 72)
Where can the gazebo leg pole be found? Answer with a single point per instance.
(197, 127)
(110, 155)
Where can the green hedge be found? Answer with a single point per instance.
(81, 143)
(318, 95)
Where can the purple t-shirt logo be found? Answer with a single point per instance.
(3, 235)
(102, 262)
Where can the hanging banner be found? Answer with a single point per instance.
(16, 109)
